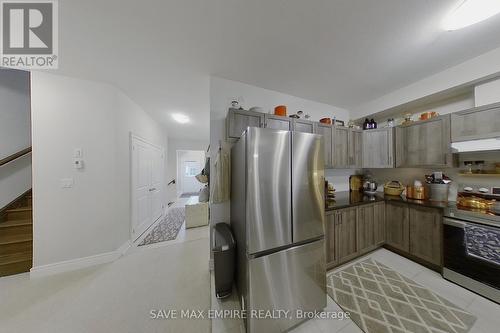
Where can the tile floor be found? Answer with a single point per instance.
(487, 312)
(115, 297)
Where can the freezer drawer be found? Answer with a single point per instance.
(308, 186)
(289, 280)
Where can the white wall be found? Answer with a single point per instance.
(173, 146)
(487, 93)
(15, 133)
(223, 91)
(92, 217)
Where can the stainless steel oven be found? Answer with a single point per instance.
(473, 266)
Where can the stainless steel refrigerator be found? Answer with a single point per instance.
(277, 215)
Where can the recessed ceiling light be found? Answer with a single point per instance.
(470, 12)
(180, 118)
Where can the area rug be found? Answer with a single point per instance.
(167, 229)
(381, 300)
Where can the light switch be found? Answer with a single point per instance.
(67, 182)
(77, 153)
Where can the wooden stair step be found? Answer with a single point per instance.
(16, 239)
(15, 223)
(19, 213)
(15, 257)
(16, 267)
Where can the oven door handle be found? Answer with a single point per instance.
(454, 223)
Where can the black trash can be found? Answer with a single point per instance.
(224, 250)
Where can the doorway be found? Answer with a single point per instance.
(147, 165)
(189, 164)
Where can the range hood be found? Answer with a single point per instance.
(476, 145)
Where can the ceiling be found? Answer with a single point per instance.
(344, 53)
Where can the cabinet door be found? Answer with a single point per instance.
(278, 122)
(424, 143)
(366, 227)
(425, 233)
(346, 234)
(340, 143)
(355, 142)
(331, 242)
(301, 125)
(397, 226)
(238, 121)
(378, 148)
(379, 223)
(327, 132)
(479, 123)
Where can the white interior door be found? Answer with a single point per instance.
(147, 185)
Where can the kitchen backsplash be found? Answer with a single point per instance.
(408, 175)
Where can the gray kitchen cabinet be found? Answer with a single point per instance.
(477, 123)
(378, 148)
(340, 147)
(424, 143)
(327, 132)
(366, 227)
(354, 148)
(331, 238)
(425, 233)
(397, 226)
(302, 125)
(379, 223)
(237, 121)
(277, 122)
(346, 233)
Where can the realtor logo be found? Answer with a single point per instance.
(29, 34)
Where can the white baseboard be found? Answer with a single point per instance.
(79, 263)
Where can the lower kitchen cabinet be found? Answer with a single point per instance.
(366, 227)
(397, 226)
(426, 233)
(331, 238)
(346, 234)
(379, 223)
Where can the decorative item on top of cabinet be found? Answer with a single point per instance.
(277, 122)
(477, 123)
(378, 148)
(424, 143)
(355, 147)
(425, 233)
(340, 144)
(238, 120)
(397, 225)
(327, 132)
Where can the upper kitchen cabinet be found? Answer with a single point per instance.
(327, 132)
(340, 154)
(355, 148)
(277, 122)
(378, 148)
(424, 143)
(302, 125)
(477, 123)
(237, 121)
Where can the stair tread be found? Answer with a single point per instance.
(15, 223)
(19, 209)
(15, 257)
(17, 239)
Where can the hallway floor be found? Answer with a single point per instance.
(115, 297)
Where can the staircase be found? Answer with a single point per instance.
(16, 236)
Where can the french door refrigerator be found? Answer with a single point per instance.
(277, 215)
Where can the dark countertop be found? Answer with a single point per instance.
(350, 199)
